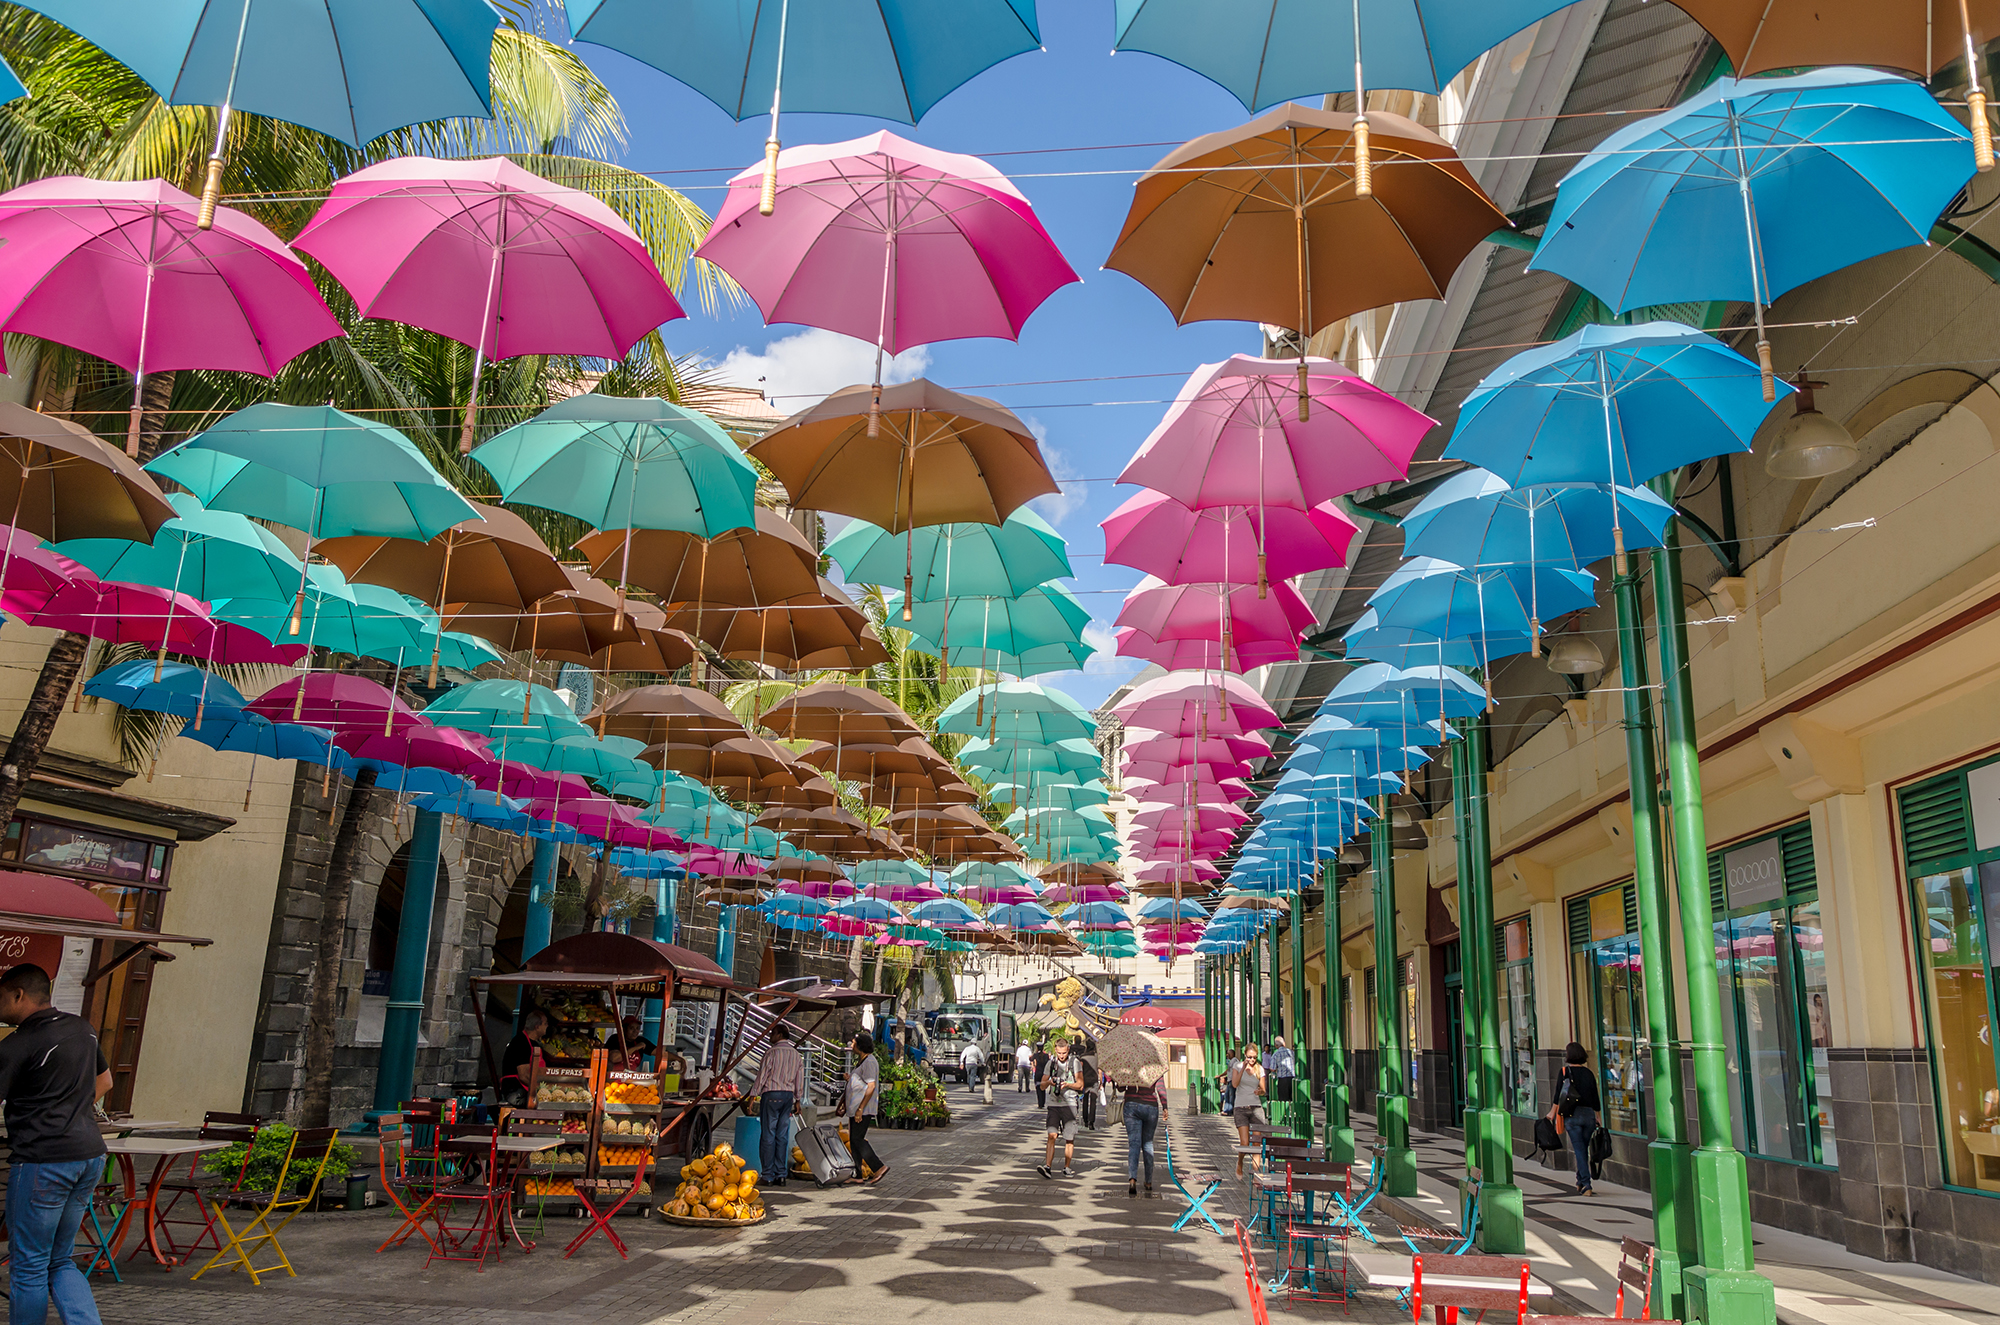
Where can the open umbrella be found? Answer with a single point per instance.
(892, 60)
(337, 701)
(834, 711)
(129, 271)
(1046, 614)
(1230, 615)
(492, 256)
(1021, 711)
(1275, 221)
(1753, 187)
(762, 563)
(955, 560)
(812, 631)
(178, 688)
(1232, 543)
(959, 250)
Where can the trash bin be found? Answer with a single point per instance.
(749, 1137)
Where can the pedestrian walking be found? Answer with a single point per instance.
(1143, 1107)
(1576, 1108)
(1248, 1079)
(1063, 1083)
(1024, 1067)
(1040, 1066)
(972, 1063)
(52, 1073)
(1279, 1070)
(862, 1103)
(780, 1089)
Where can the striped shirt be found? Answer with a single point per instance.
(782, 1070)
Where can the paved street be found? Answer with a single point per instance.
(961, 1227)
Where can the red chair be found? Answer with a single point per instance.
(411, 1179)
(1447, 1300)
(1635, 1267)
(1259, 1313)
(596, 1195)
(1311, 1278)
(479, 1201)
(205, 1187)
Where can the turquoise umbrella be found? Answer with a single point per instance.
(1068, 756)
(955, 560)
(202, 553)
(1055, 795)
(500, 709)
(1044, 615)
(872, 872)
(1017, 710)
(604, 761)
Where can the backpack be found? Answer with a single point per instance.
(1566, 1095)
(1600, 1150)
(1547, 1139)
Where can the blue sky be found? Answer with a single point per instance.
(1027, 116)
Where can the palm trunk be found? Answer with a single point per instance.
(323, 999)
(154, 398)
(38, 719)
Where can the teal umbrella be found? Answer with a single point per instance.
(1067, 794)
(1018, 710)
(202, 553)
(503, 710)
(955, 560)
(316, 469)
(1044, 615)
(1058, 823)
(1070, 756)
(869, 873)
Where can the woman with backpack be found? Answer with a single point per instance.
(1577, 1105)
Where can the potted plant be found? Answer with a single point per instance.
(267, 1161)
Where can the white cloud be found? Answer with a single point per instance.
(1057, 506)
(797, 371)
(1105, 662)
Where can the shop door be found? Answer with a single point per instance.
(1456, 1052)
(116, 1003)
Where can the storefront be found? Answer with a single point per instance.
(1514, 999)
(1610, 1003)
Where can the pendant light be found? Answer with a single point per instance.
(1575, 654)
(1809, 444)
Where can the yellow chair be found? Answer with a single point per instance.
(309, 1151)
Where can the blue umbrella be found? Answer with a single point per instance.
(1264, 52)
(252, 734)
(892, 59)
(946, 911)
(1399, 646)
(1752, 187)
(1444, 599)
(1381, 695)
(480, 807)
(1166, 908)
(352, 69)
(634, 863)
(180, 689)
(1096, 913)
(1020, 915)
(1610, 405)
(413, 780)
(1475, 519)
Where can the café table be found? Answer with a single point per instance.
(165, 1152)
(1387, 1269)
(512, 1155)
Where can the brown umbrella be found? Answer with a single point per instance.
(1262, 223)
(834, 711)
(742, 567)
(1786, 34)
(745, 765)
(1132, 1054)
(820, 630)
(954, 458)
(917, 791)
(668, 714)
(864, 762)
(494, 559)
(573, 625)
(58, 482)
(811, 794)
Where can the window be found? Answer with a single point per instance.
(1406, 1006)
(1609, 990)
(1514, 997)
(1770, 966)
(1951, 852)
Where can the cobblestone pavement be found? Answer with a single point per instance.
(962, 1229)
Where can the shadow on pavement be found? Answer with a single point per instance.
(961, 1286)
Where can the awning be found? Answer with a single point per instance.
(49, 904)
(600, 952)
(1164, 1017)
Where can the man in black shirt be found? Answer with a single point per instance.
(517, 1058)
(52, 1074)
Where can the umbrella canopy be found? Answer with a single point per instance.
(955, 560)
(833, 711)
(492, 256)
(1753, 187)
(1052, 795)
(668, 715)
(1176, 693)
(1068, 756)
(766, 562)
(125, 270)
(205, 554)
(1268, 51)
(128, 614)
(892, 60)
(504, 710)
(868, 760)
(1231, 612)
(1046, 614)
(251, 733)
(818, 630)
(1448, 600)
(626, 463)
(1611, 404)
(955, 458)
(495, 557)
(1793, 34)
(1368, 639)
(1262, 223)
(351, 69)
(179, 688)
(1020, 710)
(887, 241)
(59, 482)
(1476, 520)
(337, 701)
(1229, 544)
(317, 469)
(1142, 746)
(1130, 1054)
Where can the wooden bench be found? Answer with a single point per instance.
(1447, 1300)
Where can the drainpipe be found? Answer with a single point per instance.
(1724, 1288)
(396, 1075)
(1392, 1106)
(1668, 1157)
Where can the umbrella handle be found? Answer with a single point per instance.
(1364, 168)
(211, 191)
(1982, 129)
(1764, 366)
(767, 199)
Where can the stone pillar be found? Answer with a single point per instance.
(403, 1022)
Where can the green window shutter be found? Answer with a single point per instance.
(1579, 922)
(1716, 901)
(1631, 909)
(1499, 946)
(1801, 875)
(1935, 821)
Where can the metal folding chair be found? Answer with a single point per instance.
(1209, 1180)
(1447, 1302)
(481, 1199)
(411, 1180)
(534, 1122)
(310, 1150)
(203, 1186)
(595, 1196)
(1260, 1314)
(1314, 1278)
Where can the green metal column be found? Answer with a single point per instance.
(396, 1076)
(1253, 996)
(1392, 1105)
(1302, 1114)
(1339, 1130)
(1503, 1222)
(1280, 1110)
(540, 923)
(1725, 1288)
(1674, 1232)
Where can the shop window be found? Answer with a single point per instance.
(1514, 998)
(1770, 967)
(1461, 1042)
(1610, 998)
(1406, 1016)
(1951, 854)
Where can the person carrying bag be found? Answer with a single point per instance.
(1575, 1113)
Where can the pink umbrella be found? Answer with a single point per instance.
(1240, 433)
(1142, 745)
(1167, 871)
(1204, 654)
(848, 926)
(725, 864)
(237, 645)
(1190, 689)
(1229, 613)
(1154, 533)
(1160, 771)
(902, 893)
(820, 888)
(336, 700)
(986, 894)
(448, 748)
(1202, 816)
(890, 241)
(30, 574)
(1147, 841)
(122, 613)
(123, 270)
(524, 782)
(493, 257)
(1065, 894)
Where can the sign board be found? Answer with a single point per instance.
(1983, 786)
(43, 950)
(1754, 875)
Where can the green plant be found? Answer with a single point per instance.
(267, 1160)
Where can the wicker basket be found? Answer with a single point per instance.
(692, 1222)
